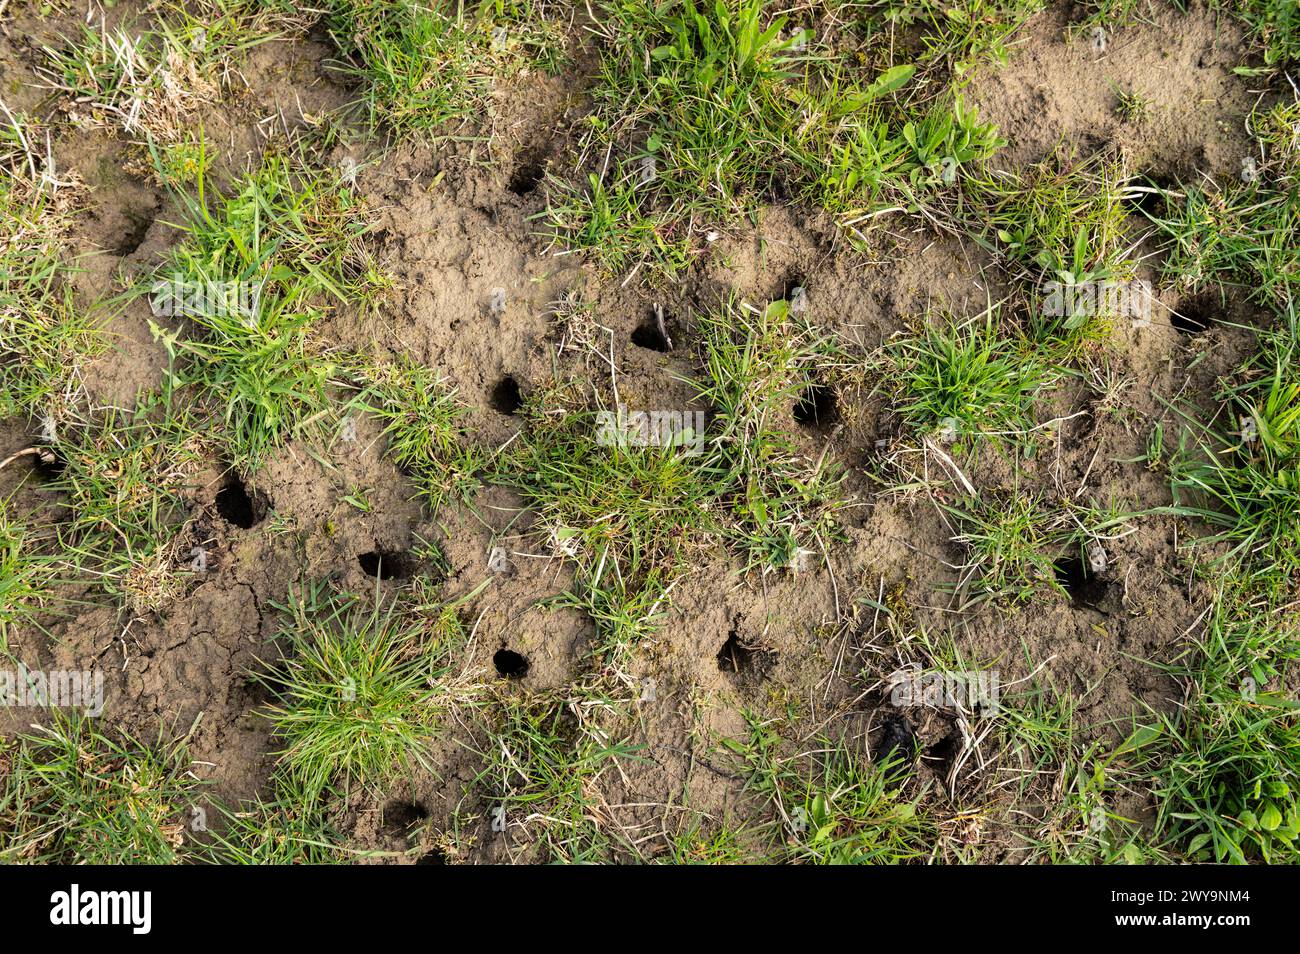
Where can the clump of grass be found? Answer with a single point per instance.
(543, 766)
(1131, 105)
(759, 363)
(1243, 232)
(960, 36)
(152, 83)
(424, 65)
(76, 795)
(287, 831)
(1062, 221)
(361, 688)
(832, 805)
(705, 109)
(45, 337)
(1277, 24)
(125, 477)
(1012, 546)
(1223, 765)
(422, 419)
(1278, 131)
(1015, 542)
(911, 168)
(627, 515)
(256, 270)
(26, 574)
(1244, 475)
(1244, 236)
(967, 382)
(614, 219)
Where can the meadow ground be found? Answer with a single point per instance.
(692, 432)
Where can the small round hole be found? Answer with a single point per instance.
(236, 505)
(529, 170)
(401, 817)
(387, 564)
(1193, 315)
(650, 336)
(510, 664)
(816, 407)
(506, 397)
(1084, 588)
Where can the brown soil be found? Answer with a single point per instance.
(453, 231)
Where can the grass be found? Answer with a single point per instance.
(76, 795)
(425, 69)
(1242, 235)
(288, 831)
(423, 421)
(703, 113)
(153, 82)
(704, 110)
(959, 37)
(1063, 220)
(630, 516)
(832, 806)
(46, 336)
(760, 363)
(26, 574)
(280, 250)
(967, 382)
(1222, 768)
(126, 478)
(1242, 474)
(361, 688)
(542, 772)
(627, 515)
(1012, 546)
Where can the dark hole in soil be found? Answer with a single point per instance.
(387, 564)
(743, 663)
(1193, 315)
(1085, 588)
(400, 817)
(510, 664)
(789, 287)
(897, 740)
(1148, 203)
(530, 167)
(816, 407)
(236, 505)
(138, 223)
(434, 857)
(648, 335)
(48, 464)
(506, 397)
(945, 750)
